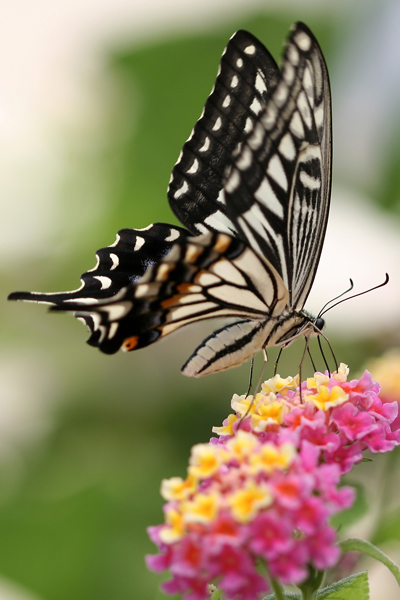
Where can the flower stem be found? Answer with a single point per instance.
(309, 588)
(278, 590)
(309, 594)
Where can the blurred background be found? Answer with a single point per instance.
(96, 100)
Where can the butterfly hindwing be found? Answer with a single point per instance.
(121, 264)
(208, 276)
(246, 74)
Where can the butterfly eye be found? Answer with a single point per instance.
(319, 323)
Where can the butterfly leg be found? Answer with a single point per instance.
(277, 359)
(306, 349)
(251, 376)
(311, 358)
(330, 348)
(258, 383)
(262, 371)
(323, 354)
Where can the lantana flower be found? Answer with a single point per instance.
(263, 491)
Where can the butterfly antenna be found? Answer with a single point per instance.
(355, 295)
(321, 312)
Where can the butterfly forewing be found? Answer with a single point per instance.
(247, 72)
(278, 191)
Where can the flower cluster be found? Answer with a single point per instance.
(264, 490)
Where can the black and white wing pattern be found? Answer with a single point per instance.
(196, 194)
(252, 187)
(278, 191)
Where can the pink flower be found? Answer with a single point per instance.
(323, 552)
(270, 536)
(353, 423)
(266, 487)
(291, 567)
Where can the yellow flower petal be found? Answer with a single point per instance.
(177, 488)
(205, 460)
(317, 381)
(242, 445)
(326, 399)
(242, 404)
(342, 373)
(174, 529)
(268, 411)
(226, 429)
(278, 384)
(247, 502)
(270, 458)
(203, 509)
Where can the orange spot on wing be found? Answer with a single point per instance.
(130, 343)
(193, 252)
(171, 301)
(223, 242)
(164, 271)
(184, 288)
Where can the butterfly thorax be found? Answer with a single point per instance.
(286, 328)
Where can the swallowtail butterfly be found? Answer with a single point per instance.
(252, 189)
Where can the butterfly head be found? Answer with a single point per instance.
(319, 325)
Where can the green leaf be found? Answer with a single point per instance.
(288, 596)
(357, 545)
(354, 587)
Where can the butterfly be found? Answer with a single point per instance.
(252, 189)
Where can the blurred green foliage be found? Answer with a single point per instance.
(73, 517)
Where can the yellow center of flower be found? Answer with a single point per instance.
(271, 457)
(245, 503)
(177, 488)
(268, 411)
(205, 460)
(327, 398)
(203, 509)
(174, 529)
(242, 445)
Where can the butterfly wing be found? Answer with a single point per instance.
(278, 191)
(202, 277)
(119, 265)
(196, 194)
